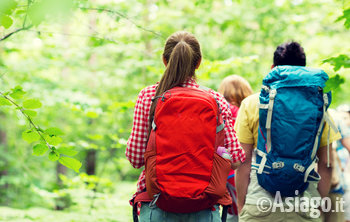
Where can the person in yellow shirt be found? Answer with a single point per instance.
(249, 192)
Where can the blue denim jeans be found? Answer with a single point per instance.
(155, 214)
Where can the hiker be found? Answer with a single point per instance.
(343, 151)
(340, 158)
(181, 125)
(284, 127)
(234, 88)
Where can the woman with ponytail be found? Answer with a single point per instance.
(181, 57)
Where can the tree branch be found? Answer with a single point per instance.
(14, 32)
(123, 16)
(25, 18)
(28, 118)
(76, 35)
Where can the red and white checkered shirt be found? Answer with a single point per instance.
(137, 143)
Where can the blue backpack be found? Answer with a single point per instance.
(292, 113)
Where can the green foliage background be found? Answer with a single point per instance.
(76, 67)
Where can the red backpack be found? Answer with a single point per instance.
(184, 173)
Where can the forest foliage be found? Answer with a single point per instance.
(70, 71)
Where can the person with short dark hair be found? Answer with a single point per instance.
(249, 191)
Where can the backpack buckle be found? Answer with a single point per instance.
(152, 204)
(277, 165)
(163, 96)
(298, 167)
(325, 99)
(273, 94)
(265, 88)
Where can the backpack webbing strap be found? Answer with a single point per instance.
(140, 197)
(224, 213)
(154, 126)
(272, 96)
(309, 170)
(263, 106)
(316, 143)
(263, 161)
(221, 127)
(207, 89)
(135, 217)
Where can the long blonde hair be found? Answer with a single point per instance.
(235, 88)
(182, 55)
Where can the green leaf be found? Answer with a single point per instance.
(92, 115)
(53, 156)
(49, 9)
(20, 11)
(54, 131)
(32, 104)
(17, 92)
(53, 140)
(333, 83)
(30, 113)
(67, 151)
(346, 16)
(4, 102)
(39, 149)
(95, 137)
(7, 6)
(6, 21)
(70, 163)
(339, 62)
(30, 136)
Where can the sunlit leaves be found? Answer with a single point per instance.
(30, 113)
(30, 136)
(39, 149)
(53, 155)
(70, 163)
(95, 137)
(17, 92)
(122, 106)
(339, 62)
(7, 6)
(48, 9)
(6, 21)
(346, 16)
(6, 9)
(4, 102)
(334, 82)
(49, 137)
(53, 140)
(54, 131)
(32, 104)
(91, 114)
(67, 151)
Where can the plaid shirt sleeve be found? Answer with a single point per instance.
(137, 143)
(231, 143)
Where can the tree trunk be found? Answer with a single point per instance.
(91, 162)
(90, 159)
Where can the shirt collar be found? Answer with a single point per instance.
(191, 82)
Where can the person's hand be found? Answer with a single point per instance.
(234, 165)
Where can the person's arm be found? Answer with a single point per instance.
(137, 142)
(242, 177)
(231, 143)
(346, 143)
(325, 172)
